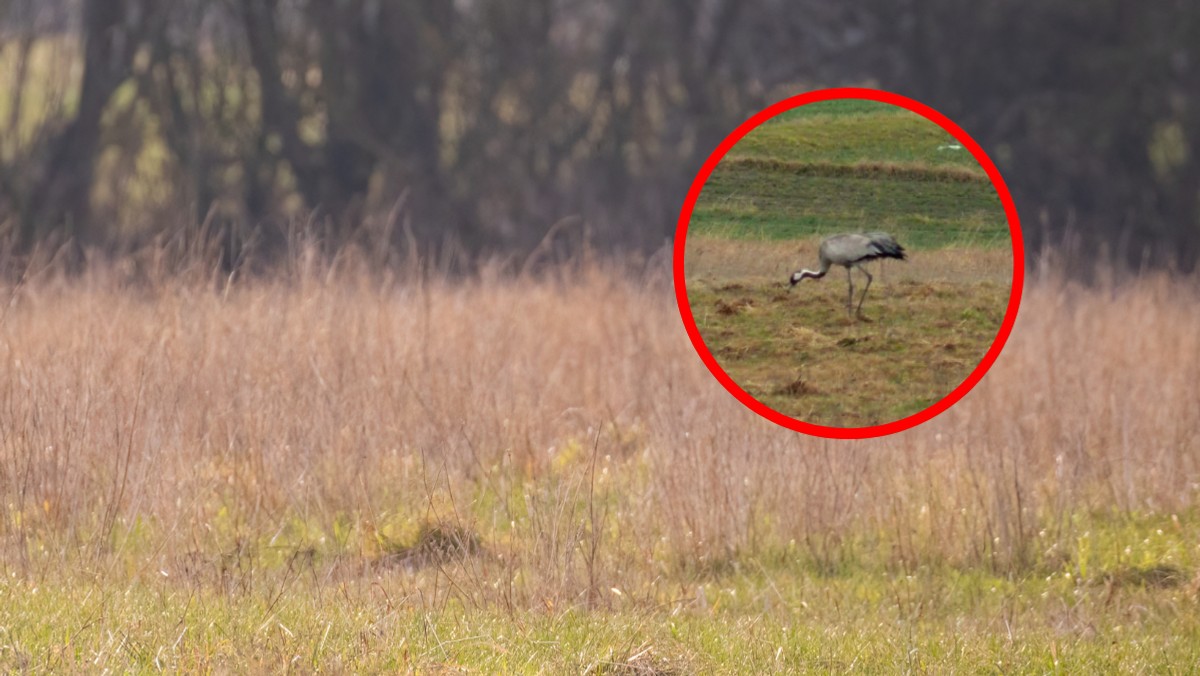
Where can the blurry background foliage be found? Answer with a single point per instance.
(480, 127)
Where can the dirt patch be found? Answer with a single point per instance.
(1161, 576)
(728, 308)
(797, 388)
(435, 544)
(851, 341)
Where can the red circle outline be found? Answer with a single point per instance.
(1014, 227)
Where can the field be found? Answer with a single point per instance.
(930, 320)
(848, 166)
(335, 470)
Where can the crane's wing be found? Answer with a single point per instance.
(883, 245)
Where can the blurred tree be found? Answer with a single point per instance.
(1091, 109)
(508, 126)
(60, 195)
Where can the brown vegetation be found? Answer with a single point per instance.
(564, 423)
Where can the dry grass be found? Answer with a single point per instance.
(346, 397)
(535, 446)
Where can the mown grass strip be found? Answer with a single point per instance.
(839, 108)
(909, 171)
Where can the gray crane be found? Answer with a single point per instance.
(851, 250)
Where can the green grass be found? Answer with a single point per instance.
(747, 201)
(838, 107)
(1122, 600)
(853, 166)
(901, 137)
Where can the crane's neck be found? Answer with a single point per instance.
(806, 274)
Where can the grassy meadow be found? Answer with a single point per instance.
(848, 166)
(331, 469)
(928, 323)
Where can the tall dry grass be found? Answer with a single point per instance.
(564, 421)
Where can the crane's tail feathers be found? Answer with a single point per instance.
(884, 245)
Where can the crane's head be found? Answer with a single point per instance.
(803, 274)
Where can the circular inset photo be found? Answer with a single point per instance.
(848, 263)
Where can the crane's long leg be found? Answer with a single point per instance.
(868, 288)
(850, 297)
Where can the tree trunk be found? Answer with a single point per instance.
(61, 202)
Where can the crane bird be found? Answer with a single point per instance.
(851, 250)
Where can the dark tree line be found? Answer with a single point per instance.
(493, 125)
(1091, 109)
